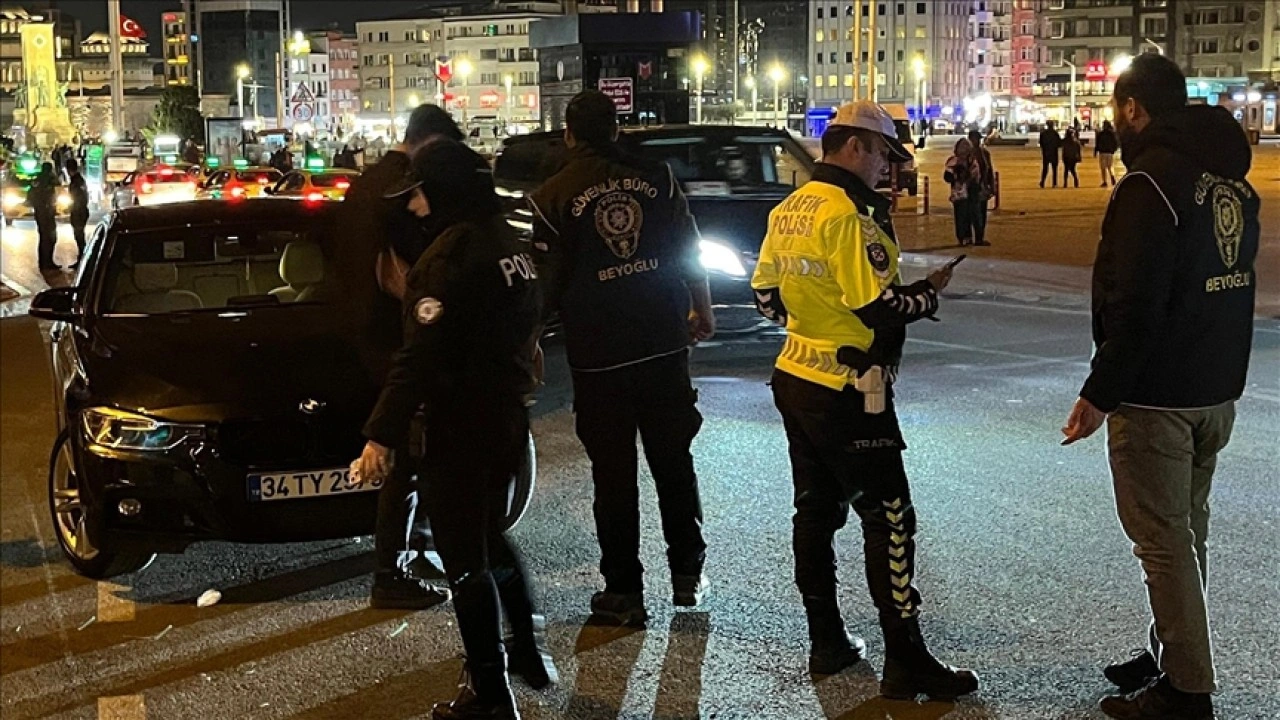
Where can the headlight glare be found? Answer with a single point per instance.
(121, 430)
(12, 199)
(719, 257)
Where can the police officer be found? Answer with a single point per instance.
(403, 574)
(828, 271)
(618, 252)
(472, 314)
(43, 199)
(79, 191)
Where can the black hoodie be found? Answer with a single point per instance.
(1174, 282)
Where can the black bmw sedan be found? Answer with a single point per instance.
(206, 387)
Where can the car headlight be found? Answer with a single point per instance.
(13, 199)
(64, 200)
(719, 257)
(121, 430)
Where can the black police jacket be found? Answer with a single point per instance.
(471, 313)
(1174, 280)
(617, 250)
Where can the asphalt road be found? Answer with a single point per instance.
(1025, 572)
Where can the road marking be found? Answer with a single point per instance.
(1015, 305)
(1003, 353)
(122, 707)
(112, 607)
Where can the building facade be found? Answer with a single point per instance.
(920, 51)
(235, 33)
(344, 80)
(178, 67)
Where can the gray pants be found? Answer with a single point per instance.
(1162, 465)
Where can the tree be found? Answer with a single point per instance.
(179, 114)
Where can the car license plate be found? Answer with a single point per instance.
(305, 484)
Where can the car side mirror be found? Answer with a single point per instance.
(58, 304)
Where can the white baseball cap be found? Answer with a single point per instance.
(868, 115)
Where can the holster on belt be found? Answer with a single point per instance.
(869, 378)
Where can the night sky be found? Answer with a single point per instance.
(307, 14)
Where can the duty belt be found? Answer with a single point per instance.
(823, 361)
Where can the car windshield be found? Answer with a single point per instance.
(262, 177)
(734, 165)
(219, 268)
(332, 180)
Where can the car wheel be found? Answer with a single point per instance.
(78, 524)
(522, 489)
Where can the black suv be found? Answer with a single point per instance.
(733, 177)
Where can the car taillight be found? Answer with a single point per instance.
(263, 180)
(342, 184)
(146, 187)
(315, 196)
(237, 192)
(166, 171)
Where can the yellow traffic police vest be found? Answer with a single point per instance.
(826, 259)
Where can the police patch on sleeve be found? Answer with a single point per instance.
(428, 310)
(878, 256)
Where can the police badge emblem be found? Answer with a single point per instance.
(427, 311)
(1228, 224)
(619, 219)
(878, 255)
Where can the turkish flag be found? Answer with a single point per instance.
(130, 28)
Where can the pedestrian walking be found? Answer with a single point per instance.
(472, 314)
(390, 241)
(1173, 306)
(79, 191)
(959, 173)
(617, 253)
(43, 199)
(1071, 156)
(1050, 144)
(982, 187)
(1105, 145)
(828, 272)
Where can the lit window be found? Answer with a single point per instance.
(921, 32)
(848, 81)
(832, 81)
(820, 36)
(818, 81)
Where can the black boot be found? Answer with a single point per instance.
(832, 648)
(483, 694)
(400, 591)
(1135, 673)
(911, 670)
(528, 657)
(1159, 701)
(624, 609)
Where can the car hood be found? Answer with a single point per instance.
(739, 221)
(207, 368)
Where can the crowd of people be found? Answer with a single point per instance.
(456, 305)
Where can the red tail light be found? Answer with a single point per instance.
(237, 192)
(146, 186)
(263, 180)
(342, 184)
(166, 171)
(315, 196)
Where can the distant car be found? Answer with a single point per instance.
(13, 197)
(155, 186)
(206, 389)
(238, 184)
(733, 177)
(315, 185)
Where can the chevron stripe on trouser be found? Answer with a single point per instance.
(830, 478)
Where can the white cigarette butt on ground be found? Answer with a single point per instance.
(399, 629)
(208, 598)
(162, 633)
(88, 622)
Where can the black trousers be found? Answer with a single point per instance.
(655, 398)
(402, 530)
(47, 229)
(1045, 165)
(78, 222)
(1069, 168)
(468, 469)
(978, 213)
(842, 457)
(964, 225)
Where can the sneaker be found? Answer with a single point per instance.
(1159, 701)
(424, 566)
(1135, 673)
(625, 609)
(403, 592)
(688, 590)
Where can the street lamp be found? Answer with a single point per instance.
(1072, 120)
(777, 75)
(508, 81)
(465, 68)
(242, 72)
(1121, 63)
(1148, 41)
(918, 65)
(413, 101)
(755, 90)
(700, 70)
